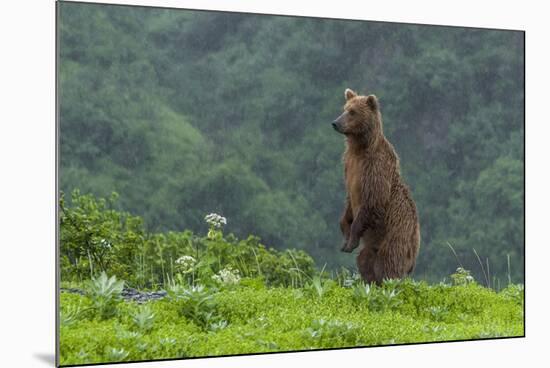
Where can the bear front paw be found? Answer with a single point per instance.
(344, 247)
(350, 245)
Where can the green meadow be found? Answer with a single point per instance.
(221, 296)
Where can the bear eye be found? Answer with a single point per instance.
(352, 112)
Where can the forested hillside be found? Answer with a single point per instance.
(184, 113)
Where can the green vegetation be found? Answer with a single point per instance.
(96, 238)
(228, 296)
(252, 318)
(185, 113)
(104, 293)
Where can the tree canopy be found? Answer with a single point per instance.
(185, 113)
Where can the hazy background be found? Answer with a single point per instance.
(184, 113)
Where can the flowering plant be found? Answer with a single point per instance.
(227, 276)
(462, 277)
(216, 222)
(185, 264)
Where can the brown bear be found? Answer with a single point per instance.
(379, 208)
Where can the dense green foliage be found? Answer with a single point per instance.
(185, 113)
(230, 296)
(250, 318)
(96, 238)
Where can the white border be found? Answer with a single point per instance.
(27, 161)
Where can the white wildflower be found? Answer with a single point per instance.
(185, 264)
(462, 277)
(215, 220)
(227, 276)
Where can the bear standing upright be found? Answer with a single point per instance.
(379, 208)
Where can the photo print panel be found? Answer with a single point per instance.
(237, 183)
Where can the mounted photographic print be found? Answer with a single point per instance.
(236, 183)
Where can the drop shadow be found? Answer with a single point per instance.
(46, 358)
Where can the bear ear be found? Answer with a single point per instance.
(372, 102)
(349, 94)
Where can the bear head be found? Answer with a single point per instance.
(361, 117)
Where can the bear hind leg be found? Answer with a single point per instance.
(365, 263)
(382, 271)
(389, 265)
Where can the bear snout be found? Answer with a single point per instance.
(337, 126)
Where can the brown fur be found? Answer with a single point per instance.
(379, 209)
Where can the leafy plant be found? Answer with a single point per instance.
(70, 315)
(144, 318)
(438, 313)
(116, 355)
(462, 277)
(105, 294)
(347, 279)
(331, 331)
(217, 326)
(318, 286)
(515, 293)
(377, 299)
(389, 299)
(197, 304)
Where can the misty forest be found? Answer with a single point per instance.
(184, 113)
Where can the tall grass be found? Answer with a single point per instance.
(490, 281)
